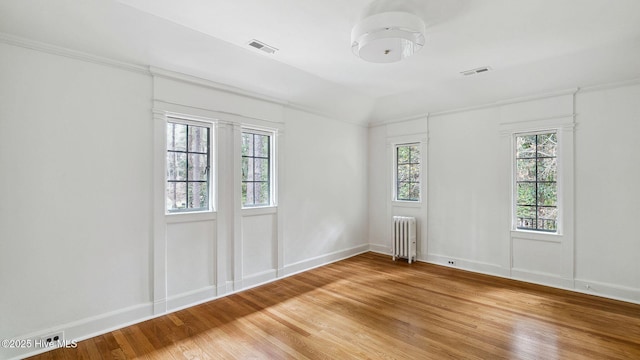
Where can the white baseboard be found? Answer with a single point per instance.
(541, 278)
(190, 298)
(465, 264)
(259, 279)
(83, 329)
(380, 249)
(615, 292)
(609, 291)
(324, 260)
(224, 289)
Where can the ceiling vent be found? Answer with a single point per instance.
(475, 71)
(262, 46)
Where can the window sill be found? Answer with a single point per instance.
(536, 235)
(261, 210)
(406, 204)
(173, 218)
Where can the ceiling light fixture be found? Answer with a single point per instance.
(387, 37)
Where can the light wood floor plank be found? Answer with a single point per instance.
(371, 307)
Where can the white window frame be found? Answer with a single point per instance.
(514, 185)
(272, 134)
(201, 122)
(395, 172)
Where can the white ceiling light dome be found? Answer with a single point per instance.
(388, 37)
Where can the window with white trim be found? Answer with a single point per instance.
(536, 181)
(407, 172)
(257, 168)
(188, 166)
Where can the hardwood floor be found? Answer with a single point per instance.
(371, 307)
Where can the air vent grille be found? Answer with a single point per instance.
(262, 46)
(479, 70)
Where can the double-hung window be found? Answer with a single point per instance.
(188, 166)
(536, 181)
(407, 172)
(257, 168)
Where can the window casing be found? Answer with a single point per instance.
(536, 181)
(188, 167)
(257, 168)
(407, 172)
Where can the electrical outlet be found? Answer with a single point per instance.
(451, 262)
(52, 340)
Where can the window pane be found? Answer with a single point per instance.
(247, 144)
(414, 154)
(176, 166)
(547, 194)
(403, 191)
(198, 139)
(525, 169)
(176, 196)
(247, 169)
(256, 168)
(547, 169)
(261, 169)
(197, 167)
(197, 195)
(404, 172)
(526, 193)
(176, 137)
(247, 194)
(414, 191)
(262, 193)
(414, 172)
(526, 146)
(261, 145)
(547, 218)
(403, 154)
(526, 216)
(547, 144)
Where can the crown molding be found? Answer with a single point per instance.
(400, 120)
(194, 80)
(570, 91)
(155, 71)
(73, 54)
(610, 85)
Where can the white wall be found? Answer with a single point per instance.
(85, 245)
(75, 209)
(326, 187)
(468, 194)
(607, 196)
(465, 195)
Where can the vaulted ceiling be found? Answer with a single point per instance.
(532, 46)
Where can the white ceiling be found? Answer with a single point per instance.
(531, 45)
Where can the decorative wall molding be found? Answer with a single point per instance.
(155, 71)
(194, 80)
(399, 120)
(73, 54)
(610, 85)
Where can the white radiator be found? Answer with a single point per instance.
(404, 238)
